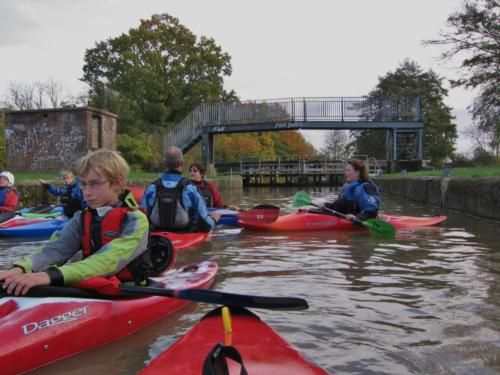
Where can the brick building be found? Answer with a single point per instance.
(54, 139)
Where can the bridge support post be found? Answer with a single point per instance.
(208, 152)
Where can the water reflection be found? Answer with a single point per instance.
(424, 302)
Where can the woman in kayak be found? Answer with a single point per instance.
(9, 197)
(70, 193)
(206, 188)
(112, 232)
(359, 198)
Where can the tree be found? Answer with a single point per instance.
(37, 95)
(409, 80)
(156, 74)
(473, 34)
(337, 145)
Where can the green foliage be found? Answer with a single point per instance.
(156, 74)
(409, 80)
(142, 151)
(456, 172)
(473, 33)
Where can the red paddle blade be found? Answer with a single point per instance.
(260, 215)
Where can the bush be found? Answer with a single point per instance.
(461, 160)
(142, 151)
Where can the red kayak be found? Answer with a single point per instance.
(304, 220)
(38, 331)
(183, 240)
(19, 220)
(262, 350)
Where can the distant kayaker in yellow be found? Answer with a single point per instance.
(359, 198)
(112, 232)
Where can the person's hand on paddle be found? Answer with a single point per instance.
(43, 182)
(17, 282)
(350, 217)
(215, 216)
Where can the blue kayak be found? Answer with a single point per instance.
(40, 229)
(228, 217)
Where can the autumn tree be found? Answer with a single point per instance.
(473, 35)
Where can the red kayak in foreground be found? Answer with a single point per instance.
(38, 331)
(262, 350)
(304, 220)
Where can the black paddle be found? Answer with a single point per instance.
(197, 295)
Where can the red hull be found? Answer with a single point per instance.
(182, 240)
(307, 221)
(38, 331)
(262, 349)
(17, 221)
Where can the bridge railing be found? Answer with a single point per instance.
(294, 110)
(303, 165)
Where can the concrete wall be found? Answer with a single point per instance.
(471, 195)
(54, 139)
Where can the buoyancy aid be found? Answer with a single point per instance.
(205, 192)
(4, 192)
(97, 231)
(347, 204)
(69, 203)
(173, 216)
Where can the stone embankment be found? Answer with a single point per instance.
(32, 192)
(471, 195)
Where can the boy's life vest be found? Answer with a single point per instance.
(97, 231)
(69, 203)
(174, 217)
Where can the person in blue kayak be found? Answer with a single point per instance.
(9, 197)
(112, 232)
(173, 203)
(70, 194)
(359, 198)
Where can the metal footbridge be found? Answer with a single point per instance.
(394, 114)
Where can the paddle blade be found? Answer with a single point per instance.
(302, 198)
(380, 227)
(260, 215)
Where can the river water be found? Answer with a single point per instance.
(426, 302)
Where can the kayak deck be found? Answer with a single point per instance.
(262, 349)
(304, 220)
(39, 331)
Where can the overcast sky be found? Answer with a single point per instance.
(279, 49)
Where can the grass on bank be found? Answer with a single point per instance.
(455, 172)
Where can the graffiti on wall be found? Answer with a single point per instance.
(45, 143)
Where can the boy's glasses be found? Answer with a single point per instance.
(194, 170)
(94, 185)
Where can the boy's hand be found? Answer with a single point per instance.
(9, 273)
(20, 283)
(43, 182)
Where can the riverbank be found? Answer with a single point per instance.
(471, 195)
(32, 192)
